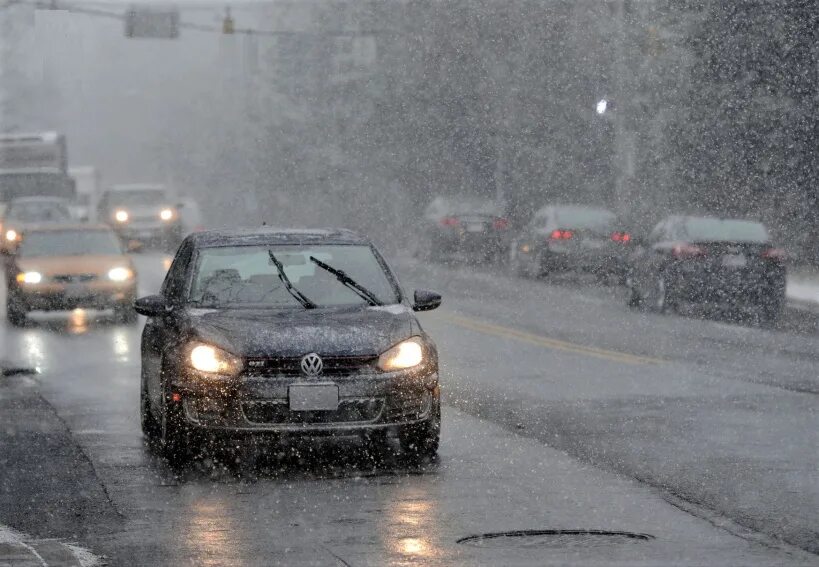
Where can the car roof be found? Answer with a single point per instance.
(274, 236)
(138, 187)
(34, 227)
(39, 199)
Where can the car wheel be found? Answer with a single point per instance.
(770, 313)
(420, 441)
(150, 428)
(175, 437)
(635, 300)
(16, 310)
(658, 299)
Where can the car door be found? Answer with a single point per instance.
(161, 333)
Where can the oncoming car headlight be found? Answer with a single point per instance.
(121, 216)
(166, 214)
(11, 235)
(211, 359)
(29, 277)
(406, 354)
(120, 274)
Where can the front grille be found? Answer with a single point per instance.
(74, 278)
(291, 366)
(145, 218)
(279, 413)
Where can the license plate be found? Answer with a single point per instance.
(474, 227)
(313, 397)
(593, 244)
(734, 261)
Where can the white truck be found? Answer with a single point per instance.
(86, 179)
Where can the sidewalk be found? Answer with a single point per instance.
(54, 504)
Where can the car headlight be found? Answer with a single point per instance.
(120, 274)
(166, 214)
(29, 277)
(121, 216)
(11, 235)
(207, 358)
(406, 354)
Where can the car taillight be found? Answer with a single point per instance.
(561, 234)
(687, 251)
(775, 254)
(621, 237)
(500, 224)
(450, 221)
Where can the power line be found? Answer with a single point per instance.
(220, 29)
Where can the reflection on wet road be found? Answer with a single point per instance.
(332, 503)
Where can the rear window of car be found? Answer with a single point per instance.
(723, 230)
(598, 220)
(70, 243)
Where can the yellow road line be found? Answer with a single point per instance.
(539, 340)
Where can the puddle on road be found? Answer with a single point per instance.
(562, 539)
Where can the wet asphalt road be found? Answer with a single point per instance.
(568, 413)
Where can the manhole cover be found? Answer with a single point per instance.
(554, 538)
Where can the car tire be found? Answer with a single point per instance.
(16, 310)
(175, 437)
(420, 441)
(770, 314)
(150, 427)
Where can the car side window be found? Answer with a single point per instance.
(173, 287)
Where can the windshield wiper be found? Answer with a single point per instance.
(297, 295)
(342, 276)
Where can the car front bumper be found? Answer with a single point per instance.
(92, 295)
(262, 404)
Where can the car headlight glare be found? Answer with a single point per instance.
(11, 235)
(166, 214)
(406, 354)
(29, 277)
(121, 216)
(207, 358)
(120, 274)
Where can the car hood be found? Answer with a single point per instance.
(285, 333)
(72, 265)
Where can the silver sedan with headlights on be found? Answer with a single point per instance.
(271, 334)
(142, 214)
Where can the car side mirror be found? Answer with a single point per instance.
(134, 246)
(426, 300)
(151, 306)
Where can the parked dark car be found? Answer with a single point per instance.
(563, 238)
(465, 228)
(277, 333)
(724, 263)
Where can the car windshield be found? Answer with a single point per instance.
(595, 220)
(720, 230)
(39, 212)
(70, 243)
(137, 197)
(246, 275)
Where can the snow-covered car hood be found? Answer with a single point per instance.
(288, 333)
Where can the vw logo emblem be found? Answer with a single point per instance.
(311, 364)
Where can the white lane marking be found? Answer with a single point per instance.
(84, 557)
(13, 537)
